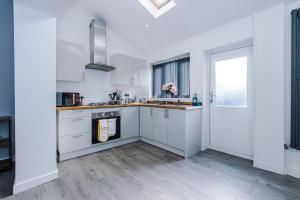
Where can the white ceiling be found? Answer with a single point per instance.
(189, 18)
(48, 7)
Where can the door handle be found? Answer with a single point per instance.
(212, 97)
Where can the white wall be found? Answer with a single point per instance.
(73, 26)
(199, 46)
(35, 101)
(266, 28)
(269, 92)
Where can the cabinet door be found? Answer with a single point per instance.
(123, 75)
(71, 59)
(176, 129)
(160, 126)
(140, 72)
(146, 122)
(75, 142)
(131, 116)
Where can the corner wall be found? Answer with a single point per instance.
(35, 99)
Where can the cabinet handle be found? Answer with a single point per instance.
(76, 136)
(167, 114)
(151, 112)
(78, 111)
(74, 120)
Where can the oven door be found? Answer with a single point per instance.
(106, 129)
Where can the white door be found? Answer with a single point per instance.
(231, 102)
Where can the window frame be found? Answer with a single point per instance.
(174, 59)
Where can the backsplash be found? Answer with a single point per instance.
(96, 87)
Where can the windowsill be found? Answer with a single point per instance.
(171, 99)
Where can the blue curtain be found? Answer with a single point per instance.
(295, 98)
(177, 72)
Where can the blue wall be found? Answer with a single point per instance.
(6, 61)
(6, 58)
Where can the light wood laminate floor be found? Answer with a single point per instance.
(140, 171)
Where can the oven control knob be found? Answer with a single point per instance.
(111, 114)
(103, 114)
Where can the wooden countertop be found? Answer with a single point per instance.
(153, 105)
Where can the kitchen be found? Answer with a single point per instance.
(151, 102)
(78, 119)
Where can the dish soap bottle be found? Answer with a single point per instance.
(195, 100)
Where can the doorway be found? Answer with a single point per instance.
(231, 102)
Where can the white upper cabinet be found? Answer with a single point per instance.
(71, 61)
(129, 71)
(140, 72)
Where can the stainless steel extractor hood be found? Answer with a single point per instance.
(98, 47)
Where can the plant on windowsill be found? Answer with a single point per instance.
(170, 90)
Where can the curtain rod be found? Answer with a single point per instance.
(186, 55)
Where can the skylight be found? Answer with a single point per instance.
(158, 7)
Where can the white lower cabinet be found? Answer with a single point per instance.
(74, 142)
(160, 125)
(74, 130)
(74, 125)
(164, 126)
(170, 129)
(176, 129)
(130, 122)
(146, 122)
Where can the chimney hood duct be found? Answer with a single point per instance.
(98, 47)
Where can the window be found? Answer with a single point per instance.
(160, 3)
(158, 7)
(178, 72)
(231, 82)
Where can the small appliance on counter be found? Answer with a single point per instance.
(65, 99)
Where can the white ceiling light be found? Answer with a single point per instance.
(158, 7)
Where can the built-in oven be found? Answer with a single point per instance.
(106, 126)
(64, 99)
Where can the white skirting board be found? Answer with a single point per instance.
(268, 167)
(162, 146)
(248, 157)
(25, 185)
(97, 148)
(292, 162)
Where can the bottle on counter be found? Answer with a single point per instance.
(196, 101)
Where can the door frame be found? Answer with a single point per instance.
(241, 45)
